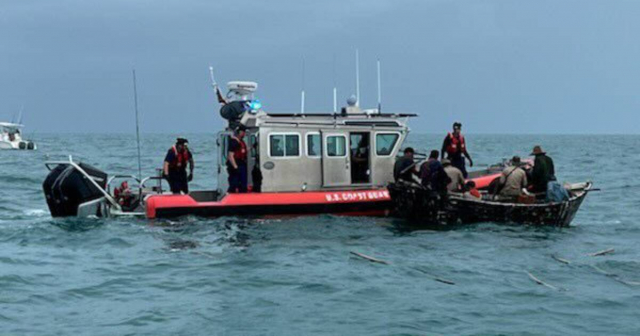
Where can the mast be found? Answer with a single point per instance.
(135, 100)
(302, 93)
(357, 78)
(335, 88)
(379, 90)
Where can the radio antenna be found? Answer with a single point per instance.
(335, 88)
(357, 78)
(379, 90)
(302, 93)
(135, 100)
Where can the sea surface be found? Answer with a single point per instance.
(297, 276)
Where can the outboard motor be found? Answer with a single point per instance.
(67, 188)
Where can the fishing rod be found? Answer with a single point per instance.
(135, 100)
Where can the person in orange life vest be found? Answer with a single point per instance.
(237, 162)
(455, 147)
(175, 167)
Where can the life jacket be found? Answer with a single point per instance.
(181, 159)
(240, 154)
(456, 144)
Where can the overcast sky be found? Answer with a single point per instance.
(497, 66)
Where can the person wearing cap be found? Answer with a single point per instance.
(455, 147)
(543, 171)
(403, 170)
(175, 167)
(457, 181)
(237, 162)
(512, 180)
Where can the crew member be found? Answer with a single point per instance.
(543, 171)
(456, 149)
(457, 181)
(403, 170)
(237, 162)
(175, 167)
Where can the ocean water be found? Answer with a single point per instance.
(296, 276)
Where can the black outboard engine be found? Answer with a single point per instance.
(66, 188)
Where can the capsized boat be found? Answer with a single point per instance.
(11, 137)
(421, 206)
(302, 163)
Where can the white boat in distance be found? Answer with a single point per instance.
(11, 137)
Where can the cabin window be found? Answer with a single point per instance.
(336, 145)
(385, 142)
(313, 145)
(284, 145)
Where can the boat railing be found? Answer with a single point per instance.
(76, 166)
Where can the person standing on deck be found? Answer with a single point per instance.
(456, 149)
(175, 167)
(237, 162)
(543, 171)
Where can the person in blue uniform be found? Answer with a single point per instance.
(175, 167)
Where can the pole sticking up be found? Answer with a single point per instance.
(335, 88)
(357, 78)
(379, 90)
(135, 100)
(302, 94)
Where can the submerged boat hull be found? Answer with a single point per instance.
(373, 202)
(419, 205)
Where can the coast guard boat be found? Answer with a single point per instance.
(11, 137)
(302, 163)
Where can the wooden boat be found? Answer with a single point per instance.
(419, 205)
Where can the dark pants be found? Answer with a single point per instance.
(458, 162)
(178, 182)
(238, 178)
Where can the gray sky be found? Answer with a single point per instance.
(497, 66)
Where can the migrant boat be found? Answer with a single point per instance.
(301, 163)
(422, 206)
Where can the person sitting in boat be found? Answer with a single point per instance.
(513, 180)
(124, 196)
(455, 175)
(471, 192)
(455, 147)
(404, 167)
(432, 174)
(543, 171)
(237, 162)
(175, 167)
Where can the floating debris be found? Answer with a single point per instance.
(540, 282)
(564, 261)
(372, 259)
(603, 252)
(615, 277)
(444, 281)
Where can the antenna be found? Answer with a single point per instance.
(335, 89)
(135, 100)
(379, 90)
(20, 114)
(357, 78)
(302, 94)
